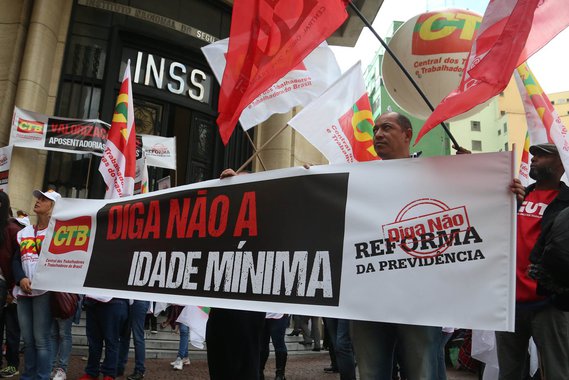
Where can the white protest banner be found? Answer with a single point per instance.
(160, 151)
(425, 241)
(5, 159)
(34, 130)
(141, 180)
(340, 123)
(37, 131)
(306, 82)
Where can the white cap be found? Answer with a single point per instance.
(50, 194)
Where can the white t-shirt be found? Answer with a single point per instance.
(30, 240)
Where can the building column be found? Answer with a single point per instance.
(14, 20)
(278, 153)
(37, 85)
(289, 149)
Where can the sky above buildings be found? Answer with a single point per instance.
(548, 65)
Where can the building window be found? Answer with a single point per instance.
(502, 93)
(477, 145)
(79, 97)
(475, 126)
(505, 127)
(376, 106)
(502, 113)
(499, 132)
(506, 147)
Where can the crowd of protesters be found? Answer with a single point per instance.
(238, 341)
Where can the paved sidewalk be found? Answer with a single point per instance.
(299, 367)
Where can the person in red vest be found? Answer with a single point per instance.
(537, 315)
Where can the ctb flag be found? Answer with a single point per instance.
(340, 122)
(269, 38)
(544, 124)
(118, 164)
(511, 31)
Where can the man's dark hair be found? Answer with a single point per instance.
(404, 122)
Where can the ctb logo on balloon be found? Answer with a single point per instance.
(433, 47)
(444, 32)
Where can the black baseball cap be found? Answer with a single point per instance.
(543, 148)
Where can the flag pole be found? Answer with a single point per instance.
(398, 62)
(255, 149)
(256, 153)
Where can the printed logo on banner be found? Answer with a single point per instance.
(71, 235)
(30, 129)
(427, 227)
(3, 159)
(159, 150)
(419, 236)
(357, 125)
(444, 32)
(222, 242)
(4, 177)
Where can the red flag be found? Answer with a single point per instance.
(268, 38)
(511, 31)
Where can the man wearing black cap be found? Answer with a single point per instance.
(537, 314)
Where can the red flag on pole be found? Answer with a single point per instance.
(511, 31)
(268, 38)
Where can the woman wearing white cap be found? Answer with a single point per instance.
(34, 312)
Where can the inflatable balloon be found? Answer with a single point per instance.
(433, 47)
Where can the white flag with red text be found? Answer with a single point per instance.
(297, 88)
(118, 164)
(340, 122)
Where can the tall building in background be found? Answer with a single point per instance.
(513, 118)
(485, 131)
(560, 101)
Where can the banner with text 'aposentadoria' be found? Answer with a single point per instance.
(422, 241)
(36, 131)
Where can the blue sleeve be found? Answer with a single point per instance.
(17, 269)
